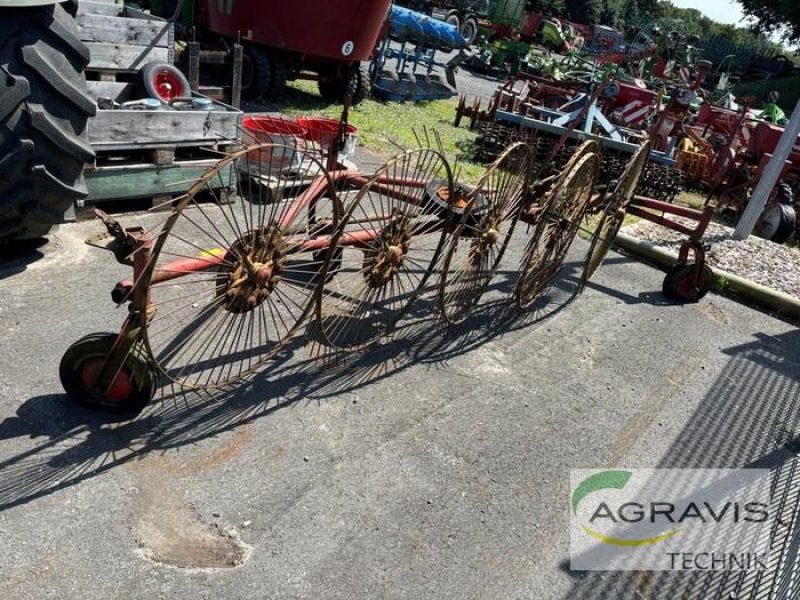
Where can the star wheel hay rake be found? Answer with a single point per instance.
(562, 211)
(477, 245)
(613, 209)
(220, 288)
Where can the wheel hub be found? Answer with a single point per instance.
(483, 243)
(254, 267)
(383, 262)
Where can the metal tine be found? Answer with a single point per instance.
(214, 151)
(161, 205)
(427, 137)
(439, 143)
(395, 144)
(416, 137)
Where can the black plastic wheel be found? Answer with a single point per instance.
(679, 282)
(132, 389)
(44, 109)
(162, 81)
(256, 72)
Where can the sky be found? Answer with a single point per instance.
(722, 11)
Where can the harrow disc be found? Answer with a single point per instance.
(480, 240)
(554, 233)
(231, 281)
(385, 249)
(614, 212)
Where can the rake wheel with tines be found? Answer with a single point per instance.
(477, 245)
(613, 212)
(563, 210)
(390, 238)
(229, 283)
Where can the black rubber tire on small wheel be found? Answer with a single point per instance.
(256, 72)
(356, 81)
(776, 223)
(453, 19)
(133, 388)
(44, 108)
(162, 81)
(469, 30)
(678, 284)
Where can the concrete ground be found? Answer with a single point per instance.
(434, 466)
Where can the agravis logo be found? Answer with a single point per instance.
(670, 519)
(610, 480)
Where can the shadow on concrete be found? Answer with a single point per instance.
(16, 257)
(74, 443)
(749, 418)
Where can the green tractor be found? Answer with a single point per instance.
(44, 109)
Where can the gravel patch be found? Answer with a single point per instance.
(772, 265)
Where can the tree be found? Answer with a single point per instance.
(775, 16)
(584, 11)
(630, 12)
(608, 16)
(550, 8)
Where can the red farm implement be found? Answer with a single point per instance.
(219, 289)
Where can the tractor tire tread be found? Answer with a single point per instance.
(44, 109)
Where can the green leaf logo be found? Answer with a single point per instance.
(615, 480)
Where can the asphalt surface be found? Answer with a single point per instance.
(434, 466)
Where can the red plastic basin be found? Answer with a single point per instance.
(322, 131)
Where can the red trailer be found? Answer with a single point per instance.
(288, 40)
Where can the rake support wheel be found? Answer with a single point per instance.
(232, 281)
(557, 228)
(614, 211)
(686, 283)
(132, 388)
(477, 245)
(383, 251)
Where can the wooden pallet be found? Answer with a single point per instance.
(121, 40)
(154, 176)
(148, 154)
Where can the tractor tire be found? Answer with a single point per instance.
(256, 72)
(355, 81)
(776, 223)
(280, 73)
(44, 108)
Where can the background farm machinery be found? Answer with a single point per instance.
(290, 40)
(404, 66)
(714, 150)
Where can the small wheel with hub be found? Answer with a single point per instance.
(614, 211)
(162, 81)
(383, 251)
(129, 391)
(686, 283)
(477, 245)
(563, 210)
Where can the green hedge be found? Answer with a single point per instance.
(787, 87)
